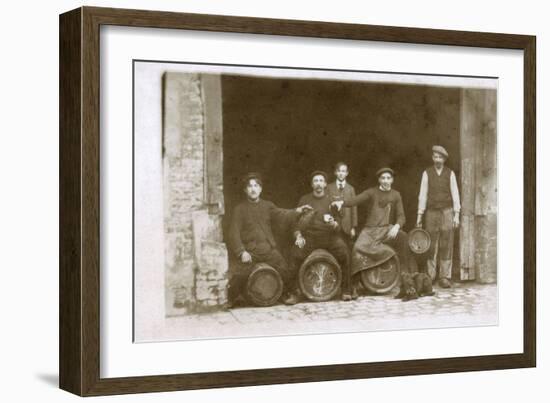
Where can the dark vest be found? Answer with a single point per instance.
(439, 189)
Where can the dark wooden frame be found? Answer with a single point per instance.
(79, 201)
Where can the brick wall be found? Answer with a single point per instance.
(196, 260)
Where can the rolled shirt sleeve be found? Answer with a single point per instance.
(423, 195)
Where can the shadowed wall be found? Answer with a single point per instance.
(286, 128)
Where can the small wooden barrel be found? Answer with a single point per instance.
(419, 241)
(320, 276)
(382, 278)
(264, 286)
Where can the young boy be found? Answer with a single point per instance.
(251, 237)
(340, 189)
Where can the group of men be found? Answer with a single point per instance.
(327, 219)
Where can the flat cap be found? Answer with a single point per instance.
(252, 175)
(440, 150)
(384, 170)
(315, 173)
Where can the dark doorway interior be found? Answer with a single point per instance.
(286, 128)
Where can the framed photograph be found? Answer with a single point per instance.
(249, 201)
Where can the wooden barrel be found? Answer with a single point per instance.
(382, 278)
(264, 286)
(320, 276)
(419, 241)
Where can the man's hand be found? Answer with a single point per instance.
(394, 230)
(352, 233)
(246, 257)
(456, 220)
(419, 221)
(300, 241)
(338, 204)
(304, 209)
(332, 222)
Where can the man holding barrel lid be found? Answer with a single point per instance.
(251, 238)
(439, 206)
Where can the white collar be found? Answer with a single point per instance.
(340, 183)
(438, 171)
(382, 189)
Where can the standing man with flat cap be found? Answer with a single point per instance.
(382, 236)
(251, 237)
(439, 203)
(319, 229)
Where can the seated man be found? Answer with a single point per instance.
(382, 236)
(319, 230)
(251, 237)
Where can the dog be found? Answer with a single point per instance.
(415, 285)
(423, 284)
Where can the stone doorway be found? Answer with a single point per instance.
(216, 128)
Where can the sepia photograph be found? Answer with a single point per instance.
(294, 201)
(247, 200)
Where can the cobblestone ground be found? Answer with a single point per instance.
(462, 305)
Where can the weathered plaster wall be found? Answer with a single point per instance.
(196, 258)
(478, 233)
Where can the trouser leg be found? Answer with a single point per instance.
(237, 281)
(401, 246)
(297, 256)
(278, 262)
(339, 249)
(433, 223)
(350, 242)
(446, 238)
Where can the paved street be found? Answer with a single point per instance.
(463, 305)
